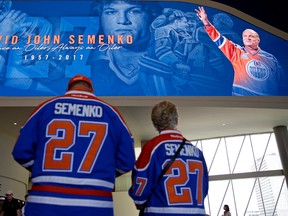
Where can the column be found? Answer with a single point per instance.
(281, 135)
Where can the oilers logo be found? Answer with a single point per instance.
(257, 70)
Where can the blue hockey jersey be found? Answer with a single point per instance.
(74, 145)
(182, 189)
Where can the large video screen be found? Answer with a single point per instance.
(137, 48)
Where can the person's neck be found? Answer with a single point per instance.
(252, 49)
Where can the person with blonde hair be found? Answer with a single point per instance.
(170, 176)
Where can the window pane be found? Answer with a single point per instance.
(245, 162)
(244, 196)
(217, 192)
(272, 158)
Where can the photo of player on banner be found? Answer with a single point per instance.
(137, 48)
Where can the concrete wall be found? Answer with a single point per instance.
(123, 204)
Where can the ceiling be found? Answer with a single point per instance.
(200, 117)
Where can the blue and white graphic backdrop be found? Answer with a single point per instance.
(44, 43)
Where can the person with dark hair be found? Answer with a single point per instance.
(256, 72)
(11, 206)
(226, 210)
(116, 66)
(75, 146)
(180, 188)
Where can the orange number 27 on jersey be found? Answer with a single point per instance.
(62, 134)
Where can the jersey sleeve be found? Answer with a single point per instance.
(228, 48)
(24, 149)
(125, 154)
(205, 176)
(144, 175)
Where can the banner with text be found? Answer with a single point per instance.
(137, 48)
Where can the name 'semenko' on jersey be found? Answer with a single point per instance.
(78, 110)
(188, 150)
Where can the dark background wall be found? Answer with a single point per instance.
(274, 14)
